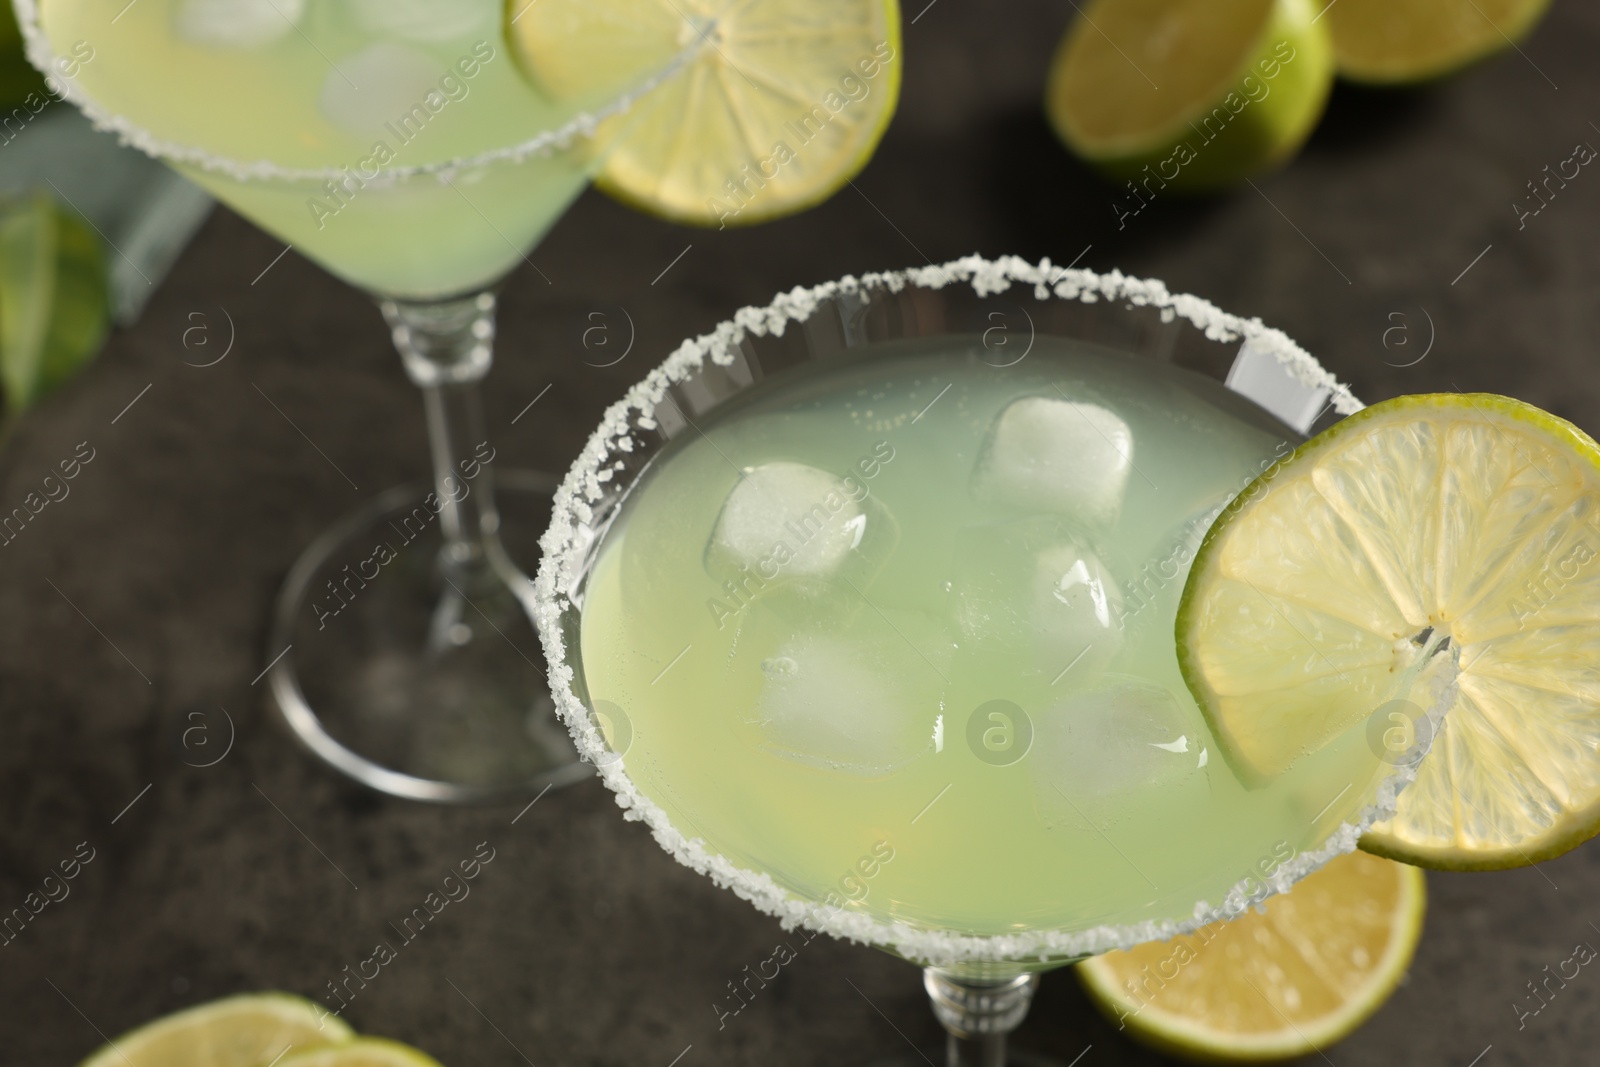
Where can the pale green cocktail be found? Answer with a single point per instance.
(313, 119)
(897, 631)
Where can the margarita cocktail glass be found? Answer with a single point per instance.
(865, 601)
(399, 146)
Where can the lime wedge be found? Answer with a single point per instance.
(1269, 986)
(1425, 541)
(54, 304)
(1191, 94)
(783, 104)
(1402, 41)
(362, 1052)
(243, 1031)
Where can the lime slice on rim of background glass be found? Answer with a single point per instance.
(244, 1031)
(1404, 41)
(1287, 981)
(1424, 539)
(783, 105)
(1191, 94)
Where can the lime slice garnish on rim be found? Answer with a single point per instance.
(1190, 94)
(1401, 41)
(1425, 540)
(1288, 981)
(783, 104)
(362, 1052)
(243, 1031)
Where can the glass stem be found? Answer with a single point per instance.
(447, 347)
(978, 1013)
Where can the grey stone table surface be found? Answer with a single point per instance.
(142, 597)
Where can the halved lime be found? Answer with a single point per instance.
(244, 1031)
(783, 104)
(1267, 986)
(1402, 41)
(1424, 540)
(1190, 94)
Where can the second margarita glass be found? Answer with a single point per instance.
(401, 148)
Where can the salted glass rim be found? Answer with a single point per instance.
(41, 54)
(566, 545)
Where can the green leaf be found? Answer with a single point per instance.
(54, 299)
(17, 76)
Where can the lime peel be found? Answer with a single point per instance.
(240, 1031)
(1189, 94)
(1257, 989)
(1384, 42)
(1413, 526)
(780, 107)
(361, 1052)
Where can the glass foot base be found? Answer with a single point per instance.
(412, 683)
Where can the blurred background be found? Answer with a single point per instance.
(1397, 247)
